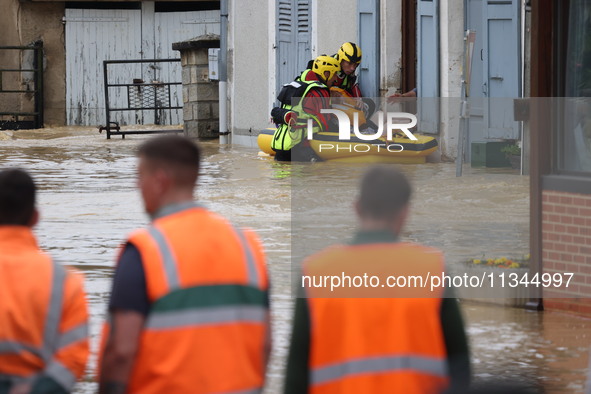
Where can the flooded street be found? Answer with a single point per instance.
(89, 203)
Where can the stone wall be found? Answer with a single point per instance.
(200, 94)
(24, 23)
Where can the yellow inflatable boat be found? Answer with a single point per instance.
(328, 147)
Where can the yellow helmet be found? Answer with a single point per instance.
(326, 63)
(350, 52)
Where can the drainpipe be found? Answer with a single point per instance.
(223, 70)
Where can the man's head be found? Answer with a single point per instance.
(167, 171)
(327, 68)
(383, 199)
(349, 56)
(17, 198)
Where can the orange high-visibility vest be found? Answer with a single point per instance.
(207, 327)
(43, 313)
(376, 345)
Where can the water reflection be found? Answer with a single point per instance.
(89, 204)
(545, 350)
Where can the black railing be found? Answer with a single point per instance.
(9, 76)
(141, 96)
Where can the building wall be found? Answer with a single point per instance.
(252, 55)
(566, 248)
(26, 22)
(335, 22)
(390, 46)
(248, 66)
(9, 36)
(451, 42)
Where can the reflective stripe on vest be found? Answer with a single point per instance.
(207, 316)
(249, 391)
(52, 340)
(54, 314)
(8, 347)
(287, 137)
(58, 372)
(168, 258)
(201, 316)
(253, 275)
(376, 365)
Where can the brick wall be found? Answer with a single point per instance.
(566, 247)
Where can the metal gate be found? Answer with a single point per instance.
(21, 87)
(137, 95)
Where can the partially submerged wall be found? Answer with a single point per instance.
(23, 24)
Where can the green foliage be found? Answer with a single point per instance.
(511, 150)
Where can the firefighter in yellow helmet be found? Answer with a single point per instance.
(349, 57)
(313, 86)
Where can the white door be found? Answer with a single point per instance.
(171, 27)
(93, 36)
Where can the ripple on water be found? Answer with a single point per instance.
(89, 203)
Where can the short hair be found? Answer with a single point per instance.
(177, 153)
(384, 192)
(17, 197)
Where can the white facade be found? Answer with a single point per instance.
(390, 46)
(249, 23)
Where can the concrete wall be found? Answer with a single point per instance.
(331, 29)
(333, 23)
(26, 22)
(248, 66)
(390, 46)
(451, 42)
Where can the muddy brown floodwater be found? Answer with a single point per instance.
(89, 203)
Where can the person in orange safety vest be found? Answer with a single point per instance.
(376, 339)
(189, 308)
(43, 311)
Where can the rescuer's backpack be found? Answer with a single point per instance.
(290, 91)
